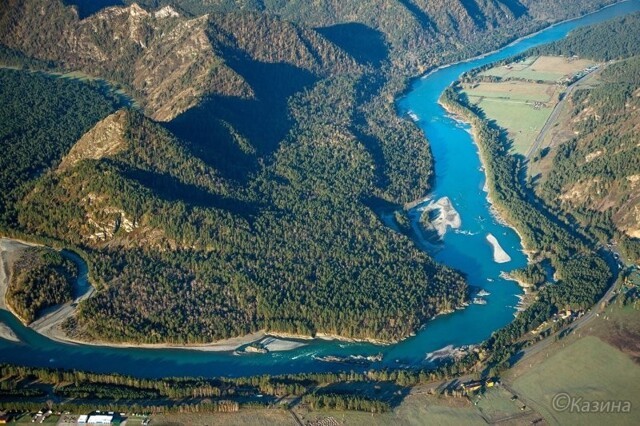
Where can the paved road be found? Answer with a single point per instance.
(555, 113)
(575, 325)
(551, 120)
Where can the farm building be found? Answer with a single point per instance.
(100, 419)
(472, 386)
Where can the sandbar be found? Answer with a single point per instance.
(499, 255)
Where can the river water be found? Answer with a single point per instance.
(459, 176)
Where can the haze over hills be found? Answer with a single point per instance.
(252, 205)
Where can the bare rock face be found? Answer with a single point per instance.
(105, 139)
(164, 59)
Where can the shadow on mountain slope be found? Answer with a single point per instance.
(364, 44)
(231, 133)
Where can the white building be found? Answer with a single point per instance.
(99, 419)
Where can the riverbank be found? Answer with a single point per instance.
(494, 210)
(274, 342)
(50, 323)
(10, 252)
(464, 327)
(225, 345)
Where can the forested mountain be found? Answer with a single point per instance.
(242, 195)
(595, 176)
(610, 40)
(203, 266)
(45, 112)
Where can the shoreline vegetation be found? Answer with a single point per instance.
(486, 360)
(272, 341)
(498, 214)
(584, 274)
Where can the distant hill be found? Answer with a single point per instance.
(610, 40)
(167, 61)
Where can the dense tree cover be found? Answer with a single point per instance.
(345, 402)
(614, 39)
(583, 274)
(41, 117)
(40, 278)
(418, 32)
(15, 58)
(194, 387)
(102, 391)
(257, 218)
(532, 274)
(186, 394)
(198, 267)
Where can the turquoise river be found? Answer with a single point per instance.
(459, 176)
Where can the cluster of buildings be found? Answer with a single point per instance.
(476, 385)
(577, 76)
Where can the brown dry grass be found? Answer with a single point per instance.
(255, 417)
(516, 90)
(559, 64)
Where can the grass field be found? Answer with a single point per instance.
(514, 90)
(587, 368)
(496, 405)
(522, 121)
(523, 107)
(416, 409)
(543, 68)
(520, 107)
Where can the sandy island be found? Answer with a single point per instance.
(499, 255)
(447, 216)
(277, 345)
(7, 333)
